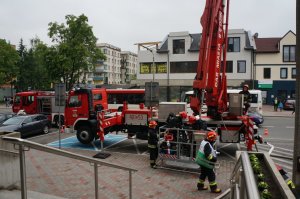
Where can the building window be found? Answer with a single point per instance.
(267, 73)
(241, 66)
(179, 46)
(233, 44)
(229, 67)
(183, 67)
(289, 53)
(283, 73)
(294, 73)
(145, 68)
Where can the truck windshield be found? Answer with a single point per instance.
(17, 100)
(74, 101)
(27, 100)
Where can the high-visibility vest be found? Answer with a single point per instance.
(201, 159)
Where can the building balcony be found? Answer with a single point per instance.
(98, 78)
(99, 69)
(100, 62)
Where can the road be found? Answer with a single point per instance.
(281, 134)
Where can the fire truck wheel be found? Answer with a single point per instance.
(46, 129)
(85, 135)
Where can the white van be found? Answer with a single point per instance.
(255, 105)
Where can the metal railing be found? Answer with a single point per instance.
(243, 184)
(24, 145)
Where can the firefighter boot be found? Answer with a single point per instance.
(200, 185)
(214, 188)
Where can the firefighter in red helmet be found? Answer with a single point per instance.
(183, 114)
(206, 158)
(152, 142)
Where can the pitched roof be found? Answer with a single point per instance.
(267, 45)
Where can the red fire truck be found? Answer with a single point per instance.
(85, 107)
(33, 102)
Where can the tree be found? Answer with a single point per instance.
(75, 51)
(32, 69)
(8, 63)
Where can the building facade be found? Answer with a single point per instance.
(176, 59)
(128, 67)
(108, 71)
(275, 66)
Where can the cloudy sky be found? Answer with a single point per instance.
(125, 22)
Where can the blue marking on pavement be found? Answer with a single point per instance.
(72, 142)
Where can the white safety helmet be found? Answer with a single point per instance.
(21, 112)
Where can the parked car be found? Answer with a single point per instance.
(5, 116)
(27, 124)
(256, 117)
(289, 104)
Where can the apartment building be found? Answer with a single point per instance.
(275, 66)
(108, 71)
(176, 58)
(128, 66)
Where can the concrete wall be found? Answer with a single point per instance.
(10, 164)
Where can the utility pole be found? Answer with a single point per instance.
(296, 163)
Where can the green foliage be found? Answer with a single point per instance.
(8, 63)
(260, 177)
(262, 185)
(32, 69)
(75, 51)
(265, 194)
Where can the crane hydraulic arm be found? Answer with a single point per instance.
(210, 80)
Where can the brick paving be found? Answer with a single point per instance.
(69, 178)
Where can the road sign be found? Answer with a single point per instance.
(151, 93)
(60, 94)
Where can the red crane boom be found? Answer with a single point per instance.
(210, 80)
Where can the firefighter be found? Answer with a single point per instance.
(247, 97)
(206, 158)
(152, 142)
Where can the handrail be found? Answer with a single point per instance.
(68, 154)
(10, 152)
(247, 177)
(29, 144)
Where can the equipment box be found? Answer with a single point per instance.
(165, 108)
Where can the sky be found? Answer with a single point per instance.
(124, 23)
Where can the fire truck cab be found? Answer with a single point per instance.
(33, 102)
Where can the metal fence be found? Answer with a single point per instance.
(23, 145)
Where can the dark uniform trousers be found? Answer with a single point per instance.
(152, 145)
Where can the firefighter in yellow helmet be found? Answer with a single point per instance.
(206, 157)
(152, 142)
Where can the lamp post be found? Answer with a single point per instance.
(153, 62)
(123, 69)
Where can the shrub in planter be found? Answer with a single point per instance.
(262, 185)
(256, 169)
(260, 177)
(265, 194)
